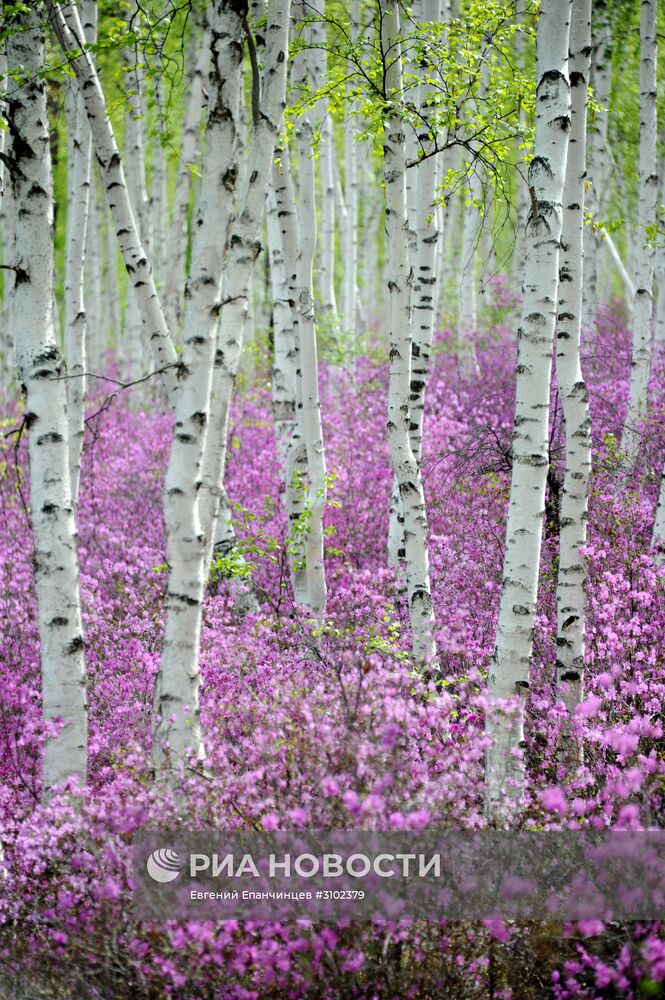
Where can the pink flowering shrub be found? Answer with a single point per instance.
(323, 724)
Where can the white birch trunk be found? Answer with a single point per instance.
(572, 575)
(316, 61)
(175, 705)
(283, 241)
(659, 274)
(509, 672)
(349, 318)
(647, 216)
(468, 308)
(78, 201)
(41, 371)
(95, 306)
(282, 231)
(599, 173)
(658, 536)
(7, 229)
(158, 195)
(243, 250)
(67, 25)
(404, 464)
(111, 289)
(310, 415)
(177, 241)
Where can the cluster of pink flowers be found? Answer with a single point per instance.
(323, 724)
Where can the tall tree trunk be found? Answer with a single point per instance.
(509, 672)
(310, 414)
(572, 575)
(317, 60)
(599, 172)
(647, 217)
(425, 257)
(78, 204)
(282, 231)
(177, 239)
(7, 227)
(243, 250)
(176, 691)
(349, 300)
(41, 372)
(67, 25)
(404, 464)
(283, 241)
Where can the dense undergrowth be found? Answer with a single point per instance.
(319, 724)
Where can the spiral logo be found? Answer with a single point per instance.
(164, 865)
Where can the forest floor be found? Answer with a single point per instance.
(323, 724)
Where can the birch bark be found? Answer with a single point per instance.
(599, 173)
(177, 239)
(67, 25)
(283, 240)
(572, 575)
(310, 406)
(404, 464)
(282, 232)
(41, 372)
(647, 216)
(425, 256)
(175, 706)
(78, 199)
(509, 671)
(243, 249)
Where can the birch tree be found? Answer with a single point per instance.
(282, 232)
(646, 217)
(509, 670)
(283, 241)
(427, 239)
(268, 102)
(42, 375)
(572, 574)
(309, 405)
(78, 202)
(67, 25)
(599, 163)
(177, 236)
(398, 272)
(175, 704)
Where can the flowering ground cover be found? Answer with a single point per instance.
(323, 723)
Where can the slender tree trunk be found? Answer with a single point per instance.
(349, 312)
(282, 231)
(312, 428)
(111, 289)
(405, 466)
(647, 216)
(78, 200)
(283, 241)
(41, 372)
(243, 250)
(658, 536)
(67, 25)
(509, 672)
(176, 691)
(7, 228)
(159, 194)
(572, 576)
(316, 62)
(599, 173)
(96, 338)
(424, 258)
(177, 240)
